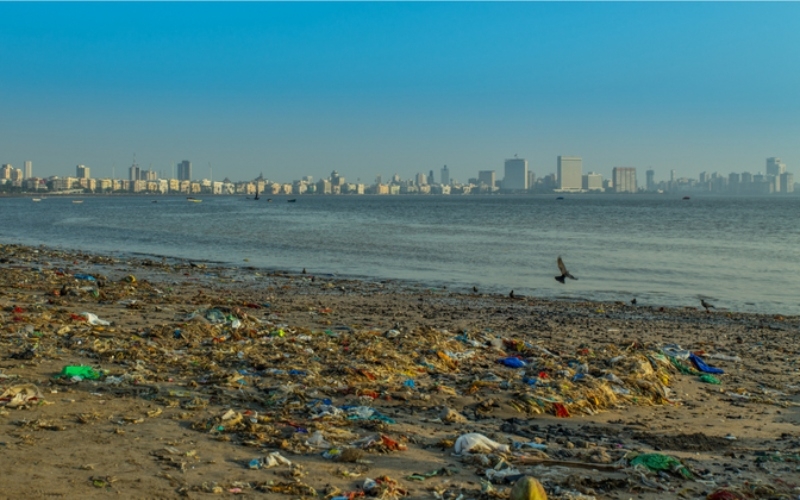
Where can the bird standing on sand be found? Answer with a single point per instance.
(633, 301)
(511, 295)
(564, 272)
(475, 289)
(706, 305)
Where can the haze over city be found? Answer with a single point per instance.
(291, 89)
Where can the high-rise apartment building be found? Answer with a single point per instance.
(775, 166)
(516, 174)
(445, 176)
(133, 172)
(421, 180)
(430, 177)
(486, 177)
(787, 182)
(28, 169)
(592, 182)
(624, 179)
(185, 170)
(82, 172)
(5, 171)
(570, 173)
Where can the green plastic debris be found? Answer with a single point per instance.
(710, 379)
(84, 372)
(683, 368)
(658, 462)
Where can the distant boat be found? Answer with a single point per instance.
(195, 200)
(77, 201)
(269, 200)
(292, 200)
(37, 199)
(560, 198)
(686, 198)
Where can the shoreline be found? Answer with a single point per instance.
(207, 368)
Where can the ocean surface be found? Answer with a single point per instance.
(742, 254)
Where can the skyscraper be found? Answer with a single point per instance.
(624, 179)
(185, 170)
(516, 174)
(82, 172)
(775, 166)
(430, 178)
(570, 172)
(445, 176)
(28, 169)
(651, 182)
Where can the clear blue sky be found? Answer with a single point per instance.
(293, 89)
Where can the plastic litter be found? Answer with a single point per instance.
(512, 362)
(20, 396)
(658, 462)
(79, 373)
(702, 366)
(527, 488)
(478, 443)
(92, 319)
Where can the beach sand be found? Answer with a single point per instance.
(205, 370)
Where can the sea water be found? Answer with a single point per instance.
(742, 254)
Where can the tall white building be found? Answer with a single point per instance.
(28, 169)
(592, 182)
(570, 172)
(445, 176)
(516, 174)
(624, 179)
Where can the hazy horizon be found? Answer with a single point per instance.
(292, 89)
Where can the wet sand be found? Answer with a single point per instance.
(206, 370)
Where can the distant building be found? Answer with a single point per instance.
(592, 182)
(5, 171)
(82, 172)
(787, 182)
(28, 169)
(133, 172)
(624, 179)
(445, 176)
(651, 180)
(531, 179)
(775, 166)
(430, 178)
(486, 177)
(421, 180)
(185, 170)
(569, 172)
(516, 174)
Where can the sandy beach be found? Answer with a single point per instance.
(203, 380)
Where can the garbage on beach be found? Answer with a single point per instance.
(658, 462)
(79, 373)
(21, 395)
(474, 442)
(527, 488)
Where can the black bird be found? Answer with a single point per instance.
(706, 305)
(564, 272)
(304, 270)
(511, 295)
(475, 289)
(633, 301)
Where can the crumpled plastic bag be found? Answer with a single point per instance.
(317, 440)
(274, 459)
(474, 442)
(659, 462)
(92, 319)
(20, 395)
(703, 367)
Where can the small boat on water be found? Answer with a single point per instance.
(195, 200)
(77, 201)
(292, 200)
(560, 198)
(36, 199)
(686, 198)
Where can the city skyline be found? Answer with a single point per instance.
(377, 89)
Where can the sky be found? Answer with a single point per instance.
(367, 89)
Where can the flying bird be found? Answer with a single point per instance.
(564, 272)
(706, 305)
